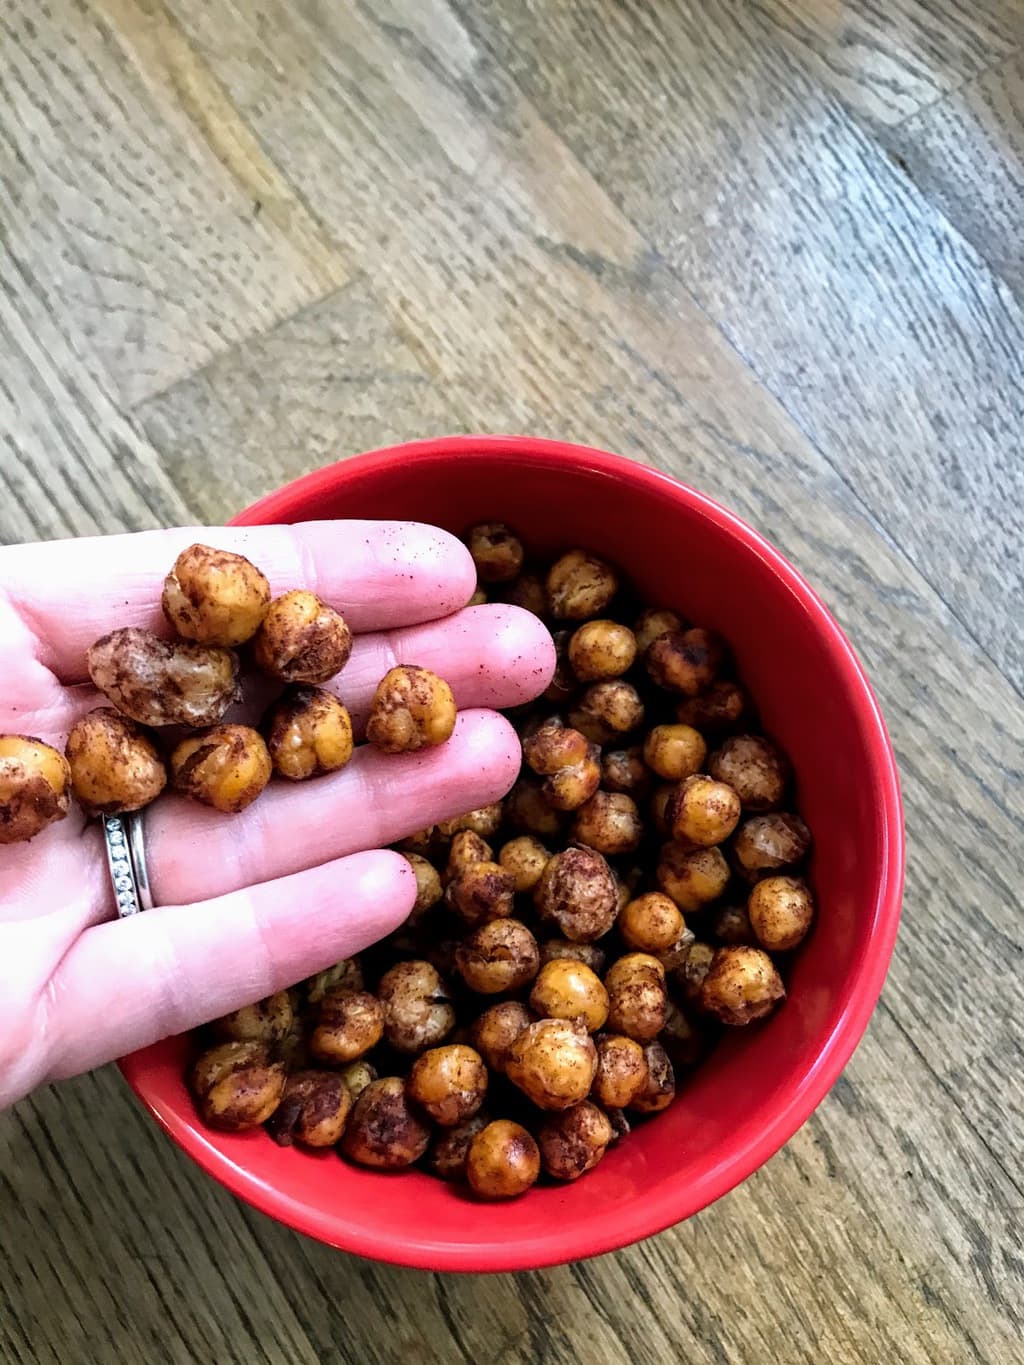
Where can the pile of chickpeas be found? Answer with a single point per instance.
(575, 949)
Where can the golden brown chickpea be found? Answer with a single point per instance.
(731, 924)
(35, 783)
(158, 682)
(503, 1161)
(689, 975)
(755, 770)
(428, 886)
(685, 660)
(624, 770)
(481, 892)
(494, 1032)
(384, 1130)
(525, 858)
(651, 624)
(578, 893)
(418, 1011)
(588, 953)
(412, 709)
(527, 809)
(313, 1111)
(741, 985)
(553, 1062)
(308, 732)
(703, 811)
(357, 1076)
(347, 974)
(781, 910)
(600, 650)
(499, 956)
(770, 843)
(563, 682)
(466, 849)
(237, 1086)
(448, 1083)
(114, 766)
(608, 710)
(637, 998)
(579, 586)
(573, 1142)
(675, 751)
(350, 1023)
(659, 807)
(722, 707)
(569, 762)
(610, 823)
(652, 923)
(450, 1147)
(423, 842)
(660, 1089)
(485, 821)
(567, 989)
(681, 1038)
(693, 877)
(215, 597)
(267, 1021)
(621, 1071)
(497, 552)
(302, 639)
(527, 592)
(226, 767)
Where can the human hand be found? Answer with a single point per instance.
(249, 904)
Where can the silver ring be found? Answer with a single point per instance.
(137, 850)
(126, 859)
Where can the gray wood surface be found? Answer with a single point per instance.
(768, 246)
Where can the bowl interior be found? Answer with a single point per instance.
(681, 551)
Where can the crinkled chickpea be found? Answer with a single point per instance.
(689, 975)
(621, 1071)
(722, 707)
(754, 768)
(660, 1088)
(503, 1161)
(226, 767)
(624, 770)
(573, 1142)
(693, 877)
(651, 624)
(652, 923)
(588, 953)
(481, 892)
(703, 811)
(527, 591)
(313, 1111)
(485, 821)
(497, 552)
(606, 711)
(159, 682)
(348, 973)
(357, 1076)
(302, 639)
(466, 849)
(308, 732)
(448, 1083)
(215, 597)
(675, 751)
(610, 823)
(237, 1086)
(563, 684)
(781, 911)
(525, 858)
(770, 843)
(412, 709)
(450, 1147)
(741, 985)
(600, 650)
(568, 761)
(731, 924)
(527, 809)
(579, 586)
(637, 998)
(267, 1021)
(568, 989)
(35, 783)
(384, 1129)
(349, 1024)
(681, 1038)
(114, 766)
(499, 956)
(577, 892)
(428, 886)
(553, 1062)
(418, 1011)
(685, 660)
(494, 1032)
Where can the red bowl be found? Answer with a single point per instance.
(682, 550)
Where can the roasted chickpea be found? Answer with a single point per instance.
(349, 1024)
(577, 892)
(722, 707)
(428, 886)
(741, 985)
(569, 762)
(600, 650)
(114, 766)
(357, 1076)
(267, 1021)
(731, 924)
(302, 639)
(448, 1083)
(308, 732)
(573, 1142)
(500, 955)
(681, 1038)
(347, 974)
(624, 770)
(485, 821)
(384, 1129)
(215, 597)
(35, 782)
(466, 849)
(610, 823)
(689, 975)
(503, 1161)
(621, 1071)
(660, 1088)
(418, 1011)
(693, 877)
(770, 843)
(159, 682)
(675, 751)
(781, 910)
(588, 953)
(226, 767)
(567, 989)
(525, 859)
(755, 770)
(482, 891)
(579, 586)
(313, 1111)
(553, 1062)
(651, 624)
(450, 1147)
(703, 811)
(652, 923)
(527, 809)
(563, 682)
(494, 1032)
(423, 842)
(685, 660)
(527, 591)
(412, 709)
(659, 807)
(620, 1124)
(637, 998)
(606, 711)
(237, 1086)
(497, 552)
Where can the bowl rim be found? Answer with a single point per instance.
(798, 1098)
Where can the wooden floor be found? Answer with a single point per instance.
(775, 247)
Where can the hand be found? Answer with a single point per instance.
(246, 904)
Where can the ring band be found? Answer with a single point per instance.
(126, 859)
(137, 852)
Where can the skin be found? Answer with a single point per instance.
(79, 987)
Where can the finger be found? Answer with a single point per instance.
(130, 983)
(194, 853)
(378, 574)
